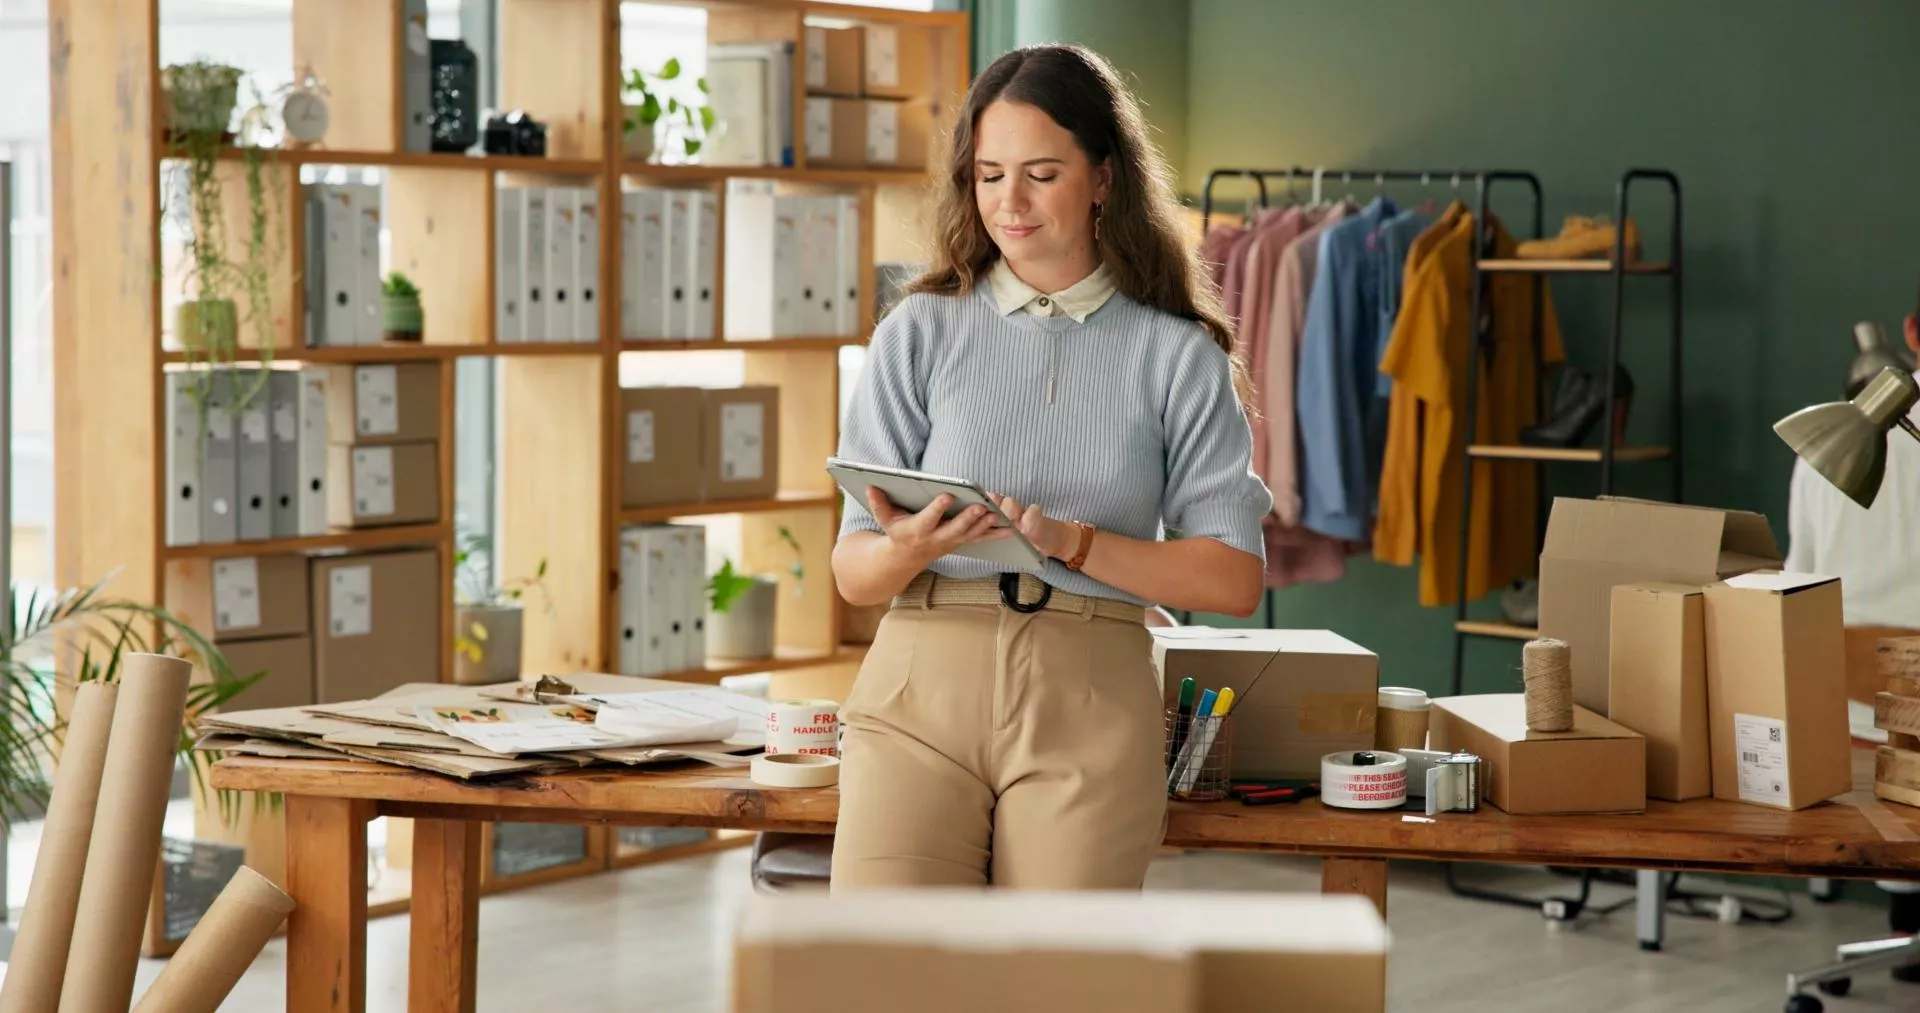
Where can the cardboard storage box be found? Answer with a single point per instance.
(962, 951)
(376, 623)
(241, 597)
(836, 131)
(1777, 690)
(664, 428)
(836, 60)
(1595, 767)
(1593, 545)
(898, 62)
(395, 402)
(1317, 696)
(741, 443)
(1657, 661)
(898, 133)
(384, 484)
(288, 664)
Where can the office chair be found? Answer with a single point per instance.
(790, 861)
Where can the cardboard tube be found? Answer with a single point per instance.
(125, 847)
(39, 960)
(219, 949)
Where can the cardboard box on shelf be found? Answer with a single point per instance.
(376, 623)
(1777, 689)
(836, 132)
(898, 62)
(288, 664)
(1658, 674)
(945, 951)
(395, 402)
(1598, 766)
(1317, 692)
(241, 597)
(898, 133)
(368, 486)
(1593, 545)
(836, 60)
(664, 428)
(741, 443)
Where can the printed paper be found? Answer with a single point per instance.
(1762, 746)
(350, 601)
(236, 594)
(735, 718)
(514, 729)
(376, 397)
(883, 56)
(285, 423)
(741, 426)
(372, 481)
(640, 437)
(253, 421)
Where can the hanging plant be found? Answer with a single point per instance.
(687, 121)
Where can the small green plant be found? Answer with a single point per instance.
(398, 284)
(474, 587)
(692, 122)
(728, 584)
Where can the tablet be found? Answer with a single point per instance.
(912, 491)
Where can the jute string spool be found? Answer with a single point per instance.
(1548, 673)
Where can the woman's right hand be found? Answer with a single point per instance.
(928, 535)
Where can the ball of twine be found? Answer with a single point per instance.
(1548, 673)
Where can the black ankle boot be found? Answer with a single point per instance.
(1578, 405)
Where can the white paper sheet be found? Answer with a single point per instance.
(637, 713)
(518, 729)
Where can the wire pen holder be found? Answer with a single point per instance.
(1199, 756)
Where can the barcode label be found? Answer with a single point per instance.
(1761, 744)
(1749, 757)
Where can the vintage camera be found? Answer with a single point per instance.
(516, 133)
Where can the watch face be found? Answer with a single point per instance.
(305, 116)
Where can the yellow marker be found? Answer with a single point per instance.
(1223, 703)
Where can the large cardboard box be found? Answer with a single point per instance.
(396, 402)
(288, 664)
(240, 597)
(1597, 766)
(836, 60)
(368, 486)
(952, 951)
(1593, 545)
(1777, 689)
(1658, 667)
(898, 134)
(836, 131)
(664, 430)
(741, 443)
(897, 62)
(376, 623)
(1317, 692)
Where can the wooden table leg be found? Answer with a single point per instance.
(445, 912)
(1364, 876)
(327, 878)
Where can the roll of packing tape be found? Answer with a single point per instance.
(1364, 780)
(807, 727)
(796, 770)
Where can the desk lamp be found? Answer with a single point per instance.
(1846, 441)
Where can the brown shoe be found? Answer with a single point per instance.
(1580, 238)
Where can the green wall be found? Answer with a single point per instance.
(1145, 39)
(1793, 128)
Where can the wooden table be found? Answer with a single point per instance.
(329, 803)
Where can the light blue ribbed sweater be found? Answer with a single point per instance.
(1127, 421)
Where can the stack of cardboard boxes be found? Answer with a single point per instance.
(1698, 669)
(869, 96)
(1896, 711)
(383, 426)
(684, 446)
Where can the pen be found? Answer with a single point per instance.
(1205, 707)
(1180, 725)
(1200, 744)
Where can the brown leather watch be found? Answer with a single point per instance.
(1086, 542)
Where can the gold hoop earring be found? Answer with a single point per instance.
(1099, 212)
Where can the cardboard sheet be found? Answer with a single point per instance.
(218, 951)
(39, 959)
(124, 851)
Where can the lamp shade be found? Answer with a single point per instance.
(1846, 441)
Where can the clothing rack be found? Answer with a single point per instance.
(1318, 175)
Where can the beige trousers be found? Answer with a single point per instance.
(989, 746)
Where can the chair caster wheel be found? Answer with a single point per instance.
(1837, 987)
(1804, 1004)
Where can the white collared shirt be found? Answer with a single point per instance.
(1078, 300)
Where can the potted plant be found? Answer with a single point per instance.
(488, 618)
(643, 119)
(401, 318)
(742, 608)
(200, 98)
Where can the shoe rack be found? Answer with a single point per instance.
(1617, 269)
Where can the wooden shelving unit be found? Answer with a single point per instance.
(561, 438)
(1586, 454)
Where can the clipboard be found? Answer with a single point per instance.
(912, 491)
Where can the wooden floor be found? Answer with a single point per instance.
(656, 939)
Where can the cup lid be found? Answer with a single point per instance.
(1403, 698)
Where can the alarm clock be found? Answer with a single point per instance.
(304, 110)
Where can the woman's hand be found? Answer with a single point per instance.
(928, 535)
(1055, 539)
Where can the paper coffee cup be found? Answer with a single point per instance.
(1401, 720)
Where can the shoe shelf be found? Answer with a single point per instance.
(1527, 265)
(1589, 455)
(1506, 631)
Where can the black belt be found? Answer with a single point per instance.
(1010, 594)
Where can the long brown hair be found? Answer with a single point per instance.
(1140, 235)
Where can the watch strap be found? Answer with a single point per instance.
(1086, 543)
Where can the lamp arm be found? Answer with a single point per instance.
(1907, 424)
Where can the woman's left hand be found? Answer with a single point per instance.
(1055, 539)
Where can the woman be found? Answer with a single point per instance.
(1064, 352)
